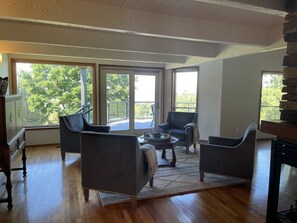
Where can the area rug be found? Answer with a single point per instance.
(168, 181)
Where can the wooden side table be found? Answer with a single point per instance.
(162, 145)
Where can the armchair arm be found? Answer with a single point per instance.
(97, 128)
(164, 126)
(192, 132)
(224, 141)
(235, 161)
(150, 158)
(191, 125)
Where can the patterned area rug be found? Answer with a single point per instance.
(168, 181)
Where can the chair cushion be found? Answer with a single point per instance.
(178, 133)
(75, 122)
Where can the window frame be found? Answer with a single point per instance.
(160, 86)
(261, 89)
(173, 85)
(13, 77)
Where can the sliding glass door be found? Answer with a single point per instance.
(129, 99)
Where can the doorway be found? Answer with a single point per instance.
(130, 99)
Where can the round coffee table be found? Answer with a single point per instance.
(161, 145)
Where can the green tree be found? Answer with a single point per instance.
(117, 87)
(117, 95)
(187, 100)
(50, 91)
(271, 95)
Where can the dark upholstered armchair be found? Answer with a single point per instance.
(230, 156)
(182, 125)
(116, 163)
(70, 128)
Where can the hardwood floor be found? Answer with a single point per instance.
(52, 192)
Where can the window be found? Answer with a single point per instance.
(185, 85)
(130, 98)
(50, 90)
(270, 96)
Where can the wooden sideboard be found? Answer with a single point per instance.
(12, 139)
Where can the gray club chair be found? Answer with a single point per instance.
(230, 156)
(182, 125)
(116, 163)
(70, 128)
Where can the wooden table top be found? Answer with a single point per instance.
(143, 140)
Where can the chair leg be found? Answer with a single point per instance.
(194, 147)
(152, 181)
(249, 185)
(202, 173)
(134, 202)
(63, 154)
(86, 194)
(187, 149)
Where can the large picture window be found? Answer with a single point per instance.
(50, 90)
(271, 93)
(185, 88)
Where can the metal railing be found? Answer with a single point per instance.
(185, 106)
(118, 111)
(85, 109)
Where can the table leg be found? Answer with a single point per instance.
(164, 153)
(173, 157)
(8, 189)
(24, 158)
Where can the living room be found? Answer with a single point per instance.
(230, 58)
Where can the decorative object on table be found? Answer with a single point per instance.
(163, 143)
(156, 135)
(3, 85)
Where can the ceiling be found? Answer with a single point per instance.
(167, 33)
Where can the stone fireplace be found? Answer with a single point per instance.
(284, 147)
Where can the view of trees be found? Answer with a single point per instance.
(271, 95)
(117, 95)
(50, 91)
(185, 101)
(186, 89)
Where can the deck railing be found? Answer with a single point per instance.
(118, 111)
(185, 106)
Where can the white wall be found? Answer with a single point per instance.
(209, 99)
(229, 93)
(167, 93)
(42, 137)
(241, 87)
